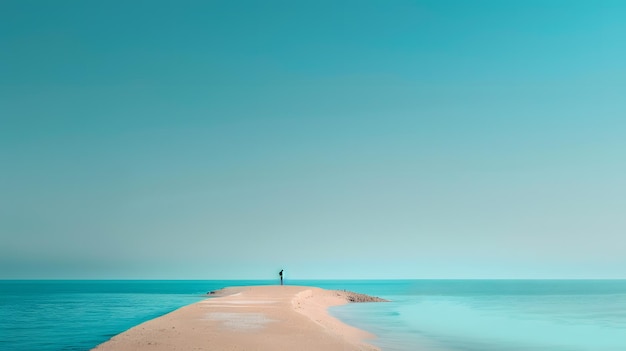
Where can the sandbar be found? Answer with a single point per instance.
(251, 318)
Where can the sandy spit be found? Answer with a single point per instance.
(251, 318)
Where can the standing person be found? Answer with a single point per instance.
(281, 276)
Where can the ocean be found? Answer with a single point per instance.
(430, 315)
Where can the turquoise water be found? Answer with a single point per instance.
(437, 315)
(78, 315)
(475, 315)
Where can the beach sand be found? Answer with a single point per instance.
(251, 318)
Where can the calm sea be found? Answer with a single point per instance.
(437, 315)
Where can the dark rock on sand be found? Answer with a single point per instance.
(356, 297)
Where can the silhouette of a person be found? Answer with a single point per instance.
(281, 276)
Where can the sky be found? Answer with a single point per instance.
(336, 140)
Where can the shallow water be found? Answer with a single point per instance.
(438, 315)
(498, 315)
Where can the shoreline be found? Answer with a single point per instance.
(251, 318)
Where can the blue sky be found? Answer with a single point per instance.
(366, 139)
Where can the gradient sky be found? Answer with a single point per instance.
(366, 139)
